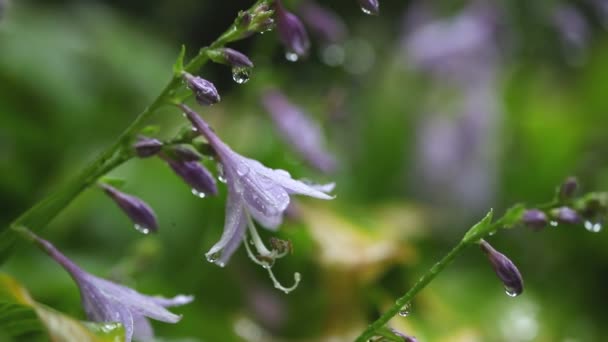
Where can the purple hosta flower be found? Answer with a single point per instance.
(230, 57)
(322, 21)
(138, 211)
(534, 218)
(371, 7)
(506, 271)
(194, 174)
(147, 147)
(568, 188)
(405, 337)
(566, 215)
(573, 30)
(204, 91)
(291, 33)
(105, 301)
(299, 130)
(183, 153)
(254, 191)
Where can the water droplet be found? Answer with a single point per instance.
(213, 257)
(220, 173)
(511, 292)
(291, 56)
(142, 229)
(594, 227)
(241, 75)
(366, 10)
(199, 194)
(405, 310)
(553, 223)
(242, 170)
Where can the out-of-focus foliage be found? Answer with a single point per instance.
(74, 74)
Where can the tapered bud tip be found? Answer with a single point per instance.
(195, 175)
(147, 147)
(568, 188)
(138, 211)
(237, 59)
(292, 33)
(205, 92)
(535, 218)
(371, 7)
(505, 269)
(566, 215)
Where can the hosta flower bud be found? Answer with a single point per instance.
(195, 175)
(566, 215)
(138, 211)
(405, 337)
(506, 271)
(204, 91)
(230, 57)
(147, 147)
(535, 218)
(371, 7)
(183, 153)
(568, 188)
(291, 33)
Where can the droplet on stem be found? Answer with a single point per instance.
(405, 310)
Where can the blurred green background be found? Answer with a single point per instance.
(73, 74)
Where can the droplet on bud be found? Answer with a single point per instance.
(291, 56)
(370, 7)
(142, 229)
(240, 75)
(505, 269)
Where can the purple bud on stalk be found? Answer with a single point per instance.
(195, 175)
(535, 218)
(371, 7)
(204, 91)
(291, 32)
(231, 57)
(405, 337)
(138, 211)
(184, 154)
(506, 271)
(568, 188)
(566, 215)
(147, 147)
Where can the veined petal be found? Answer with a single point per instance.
(142, 329)
(235, 224)
(175, 301)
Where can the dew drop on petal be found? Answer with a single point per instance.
(291, 56)
(511, 292)
(405, 310)
(142, 229)
(199, 194)
(241, 75)
(213, 257)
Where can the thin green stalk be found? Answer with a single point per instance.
(38, 216)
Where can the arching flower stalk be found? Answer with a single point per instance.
(255, 192)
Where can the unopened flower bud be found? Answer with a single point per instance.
(204, 91)
(535, 218)
(138, 211)
(506, 271)
(568, 188)
(195, 175)
(291, 32)
(566, 215)
(230, 57)
(371, 7)
(405, 337)
(182, 153)
(147, 147)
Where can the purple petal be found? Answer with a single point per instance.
(291, 31)
(323, 22)
(142, 329)
(138, 211)
(175, 301)
(195, 175)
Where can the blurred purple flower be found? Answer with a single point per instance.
(291, 32)
(573, 30)
(323, 22)
(535, 218)
(405, 338)
(147, 147)
(298, 130)
(506, 271)
(253, 189)
(138, 211)
(204, 91)
(568, 188)
(105, 301)
(194, 174)
(371, 7)
(566, 215)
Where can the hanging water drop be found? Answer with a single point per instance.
(405, 310)
(594, 227)
(553, 223)
(142, 229)
(511, 292)
(241, 75)
(366, 10)
(213, 257)
(199, 194)
(291, 56)
(220, 173)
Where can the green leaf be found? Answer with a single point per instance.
(513, 216)
(18, 313)
(113, 181)
(178, 67)
(150, 130)
(480, 229)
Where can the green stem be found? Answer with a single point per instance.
(406, 298)
(38, 216)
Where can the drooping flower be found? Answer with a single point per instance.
(298, 130)
(204, 91)
(138, 211)
(505, 269)
(327, 25)
(291, 33)
(191, 171)
(230, 57)
(371, 7)
(253, 190)
(566, 215)
(147, 147)
(105, 301)
(534, 218)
